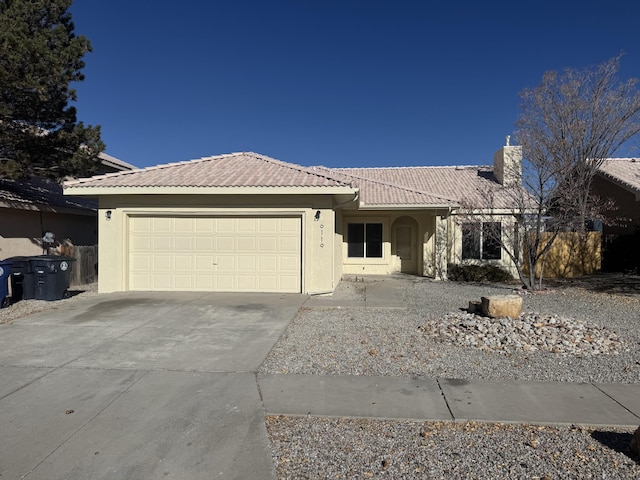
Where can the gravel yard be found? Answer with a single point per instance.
(342, 341)
(329, 448)
(28, 307)
(401, 342)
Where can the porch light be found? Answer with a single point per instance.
(317, 216)
(107, 214)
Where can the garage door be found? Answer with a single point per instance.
(224, 254)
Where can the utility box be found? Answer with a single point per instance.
(51, 275)
(5, 273)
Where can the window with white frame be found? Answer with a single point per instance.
(364, 240)
(481, 241)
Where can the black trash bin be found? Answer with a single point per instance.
(5, 273)
(22, 283)
(51, 275)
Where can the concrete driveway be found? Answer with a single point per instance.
(139, 386)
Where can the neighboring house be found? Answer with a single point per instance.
(29, 209)
(247, 222)
(109, 164)
(618, 180)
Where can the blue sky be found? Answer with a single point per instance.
(331, 82)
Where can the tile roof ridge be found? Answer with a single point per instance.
(161, 166)
(289, 165)
(259, 156)
(335, 174)
(300, 168)
(416, 167)
(401, 187)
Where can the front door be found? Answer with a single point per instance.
(406, 248)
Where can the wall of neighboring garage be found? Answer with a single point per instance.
(21, 230)
(317, 236)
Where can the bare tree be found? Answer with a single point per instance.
(569, 125)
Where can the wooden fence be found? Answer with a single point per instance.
(85, 268)
(573, 255)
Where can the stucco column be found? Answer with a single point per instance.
(441, 247)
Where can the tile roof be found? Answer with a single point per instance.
(625, 171)
(376, 190)
(444, 185)
(40, 194)
(390, 186)
(244, 169)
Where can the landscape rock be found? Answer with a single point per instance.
(528, 332)
(501, 306)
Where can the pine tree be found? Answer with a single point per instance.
(39, 57)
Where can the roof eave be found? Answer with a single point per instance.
(426, 206)
(41, 207)
(116, 163)
(93, 191)
(621, 183)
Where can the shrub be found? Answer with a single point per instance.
(478, 273)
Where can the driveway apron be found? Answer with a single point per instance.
(138, 386)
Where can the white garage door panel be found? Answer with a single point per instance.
(251, 254)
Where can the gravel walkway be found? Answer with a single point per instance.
(401, 342)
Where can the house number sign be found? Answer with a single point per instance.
(322, 235)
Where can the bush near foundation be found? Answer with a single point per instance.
(478, 273)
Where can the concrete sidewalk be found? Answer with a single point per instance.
(399, 398)
(365, 292)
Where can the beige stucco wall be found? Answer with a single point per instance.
(318, 236)
(324, 244)
(21, 230)
(390, 263)
(339, 236)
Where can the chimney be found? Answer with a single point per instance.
(507, 164)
